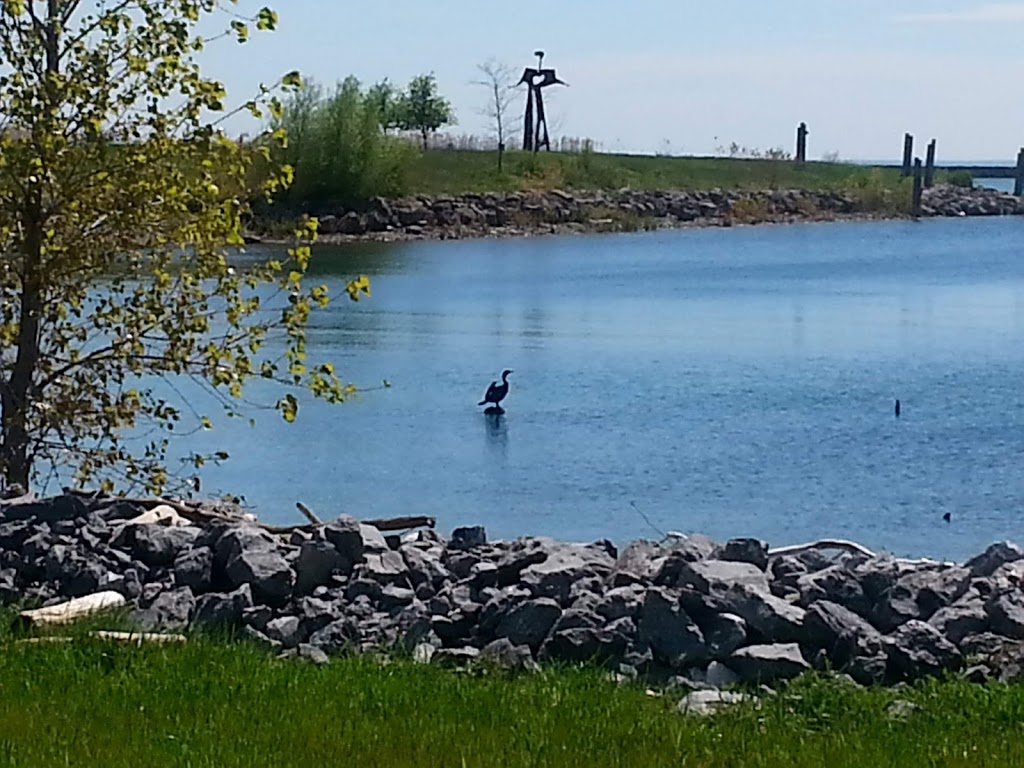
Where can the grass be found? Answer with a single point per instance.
(215, 703)
(456, 172)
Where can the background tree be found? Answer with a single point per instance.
(423, 110)
(120, 199)
(384, 99)
(499, 80)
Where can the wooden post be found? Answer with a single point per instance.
(908, 151)
(1018, 184)
(929, 165)
(801, 144)
(916, 202)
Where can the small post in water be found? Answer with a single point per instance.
(908, 151)
(929, 165)
(1018, 184)
(801, 144)
(918, 179)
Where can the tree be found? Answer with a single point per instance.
(384, 99)
(498, 79)
(120, 199)
(422, 109)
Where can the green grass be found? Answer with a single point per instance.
(212, 703)
(455, 172)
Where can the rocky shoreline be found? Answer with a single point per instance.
(689, 610)
(519, 214)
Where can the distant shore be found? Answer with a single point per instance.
(524, 214)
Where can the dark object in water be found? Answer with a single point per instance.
(946, 517)
(496, 392)
(897, 409)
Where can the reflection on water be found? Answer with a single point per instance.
(735, 382)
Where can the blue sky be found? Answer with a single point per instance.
(652, 75)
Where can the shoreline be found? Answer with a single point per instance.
(556, 212)
(712, 613)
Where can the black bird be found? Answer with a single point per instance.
(496, 392)
(946, 517)
(897, 409)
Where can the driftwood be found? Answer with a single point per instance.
(72, 610)
(199, 514)
(848, 546)
(136, 638)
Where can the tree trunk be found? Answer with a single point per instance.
(424, 135)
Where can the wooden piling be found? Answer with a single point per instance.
(1018, 184)
(908, 151)
(801, 144)
(929, 165)
(918, 188)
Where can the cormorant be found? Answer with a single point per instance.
(897, 409)
(946, 517)
(496, 392)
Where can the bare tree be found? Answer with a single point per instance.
(497, 78)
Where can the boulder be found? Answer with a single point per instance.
(717, 576)
(704, 703)
(384, 568)
(504, 654)
(530, 622)
(917, 649)
(316, 563)
(674, 638)
(468, 537)
(957, 621)
(753, 551)
(155, 545)
(223, 610)
(723, 634)
(919, 594)
(193, 568)
(993, 557)
(265, 571)
(346, 534)
(772, 619)
(837, 585)
(1006, 614)
(768, 663)
(336, 637)
(169, 611)
(583, 644)
(286, 630)
(847, 639)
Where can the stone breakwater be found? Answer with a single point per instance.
(687, 608)
(526, 213)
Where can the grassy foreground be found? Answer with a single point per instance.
(211, 703)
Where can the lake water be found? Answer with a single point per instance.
(735, 382)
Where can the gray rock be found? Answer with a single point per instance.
(267, 572)
(775, 620)
(316, 563)
(373, 539)
(193, 568)
(315, 613)
(1006, 613)
(169, 611)
(840, 632)
(504, 654)
(991, 559)
(692, 547)
(704, 703)
(483, 575)
(384, 568)
(312, 654)
(336, 637)
(753, 551)
(917, 649)
(919, 594)
(640, 559)
(620, 602)
(286, 630)
(717, 675)
(674, 638)
(768, 663)
(346, 535)
(837, 585)
(223, 610)
(961, 619)
(716, 576)
(723, 634)
(392, 597)
(583, 644)
(468, 538)
(424, 567)
(529, 623)
(456, 657)
(238, 539)
(564, 566)
(155, 545)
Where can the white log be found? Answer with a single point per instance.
(849, 546)
(138, 638)
(72, 610)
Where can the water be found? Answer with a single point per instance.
(732, 382)
(1003, 185)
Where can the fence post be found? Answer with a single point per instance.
(908, 151)
(1018, 184)
(929, 165)
(801, 144)
(916, 201)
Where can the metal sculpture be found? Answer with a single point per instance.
(535, 121)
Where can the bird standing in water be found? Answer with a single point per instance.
(496, 392)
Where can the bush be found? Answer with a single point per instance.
(960, 179)
(339, 151)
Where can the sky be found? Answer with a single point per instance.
(680, 76)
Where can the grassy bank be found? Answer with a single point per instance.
(210, 703)
(453, 172)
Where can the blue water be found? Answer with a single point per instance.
(728, 381)
(1003, 185)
